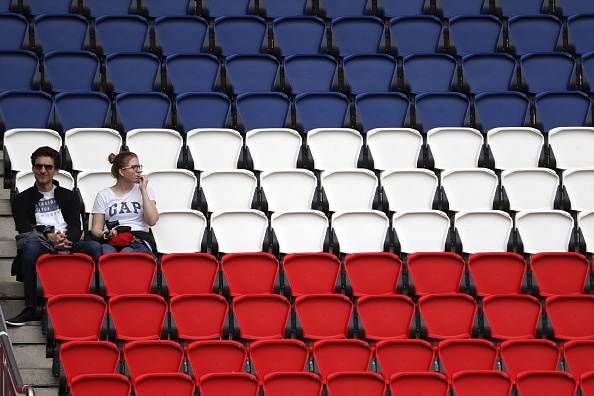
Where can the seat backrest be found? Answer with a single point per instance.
(261, 316)
(489, 105)
(217, 8)
(469, 189)
(133, 72)
(250, 273)
(65, 274)
(300, 231)
(466, 354)
(239, 384)
(127, 326)
(528, 355)
(198, 110)
(71, 70)
(394, 148)
(442, 109)
(214, 148)
(97, 8)
(524, 29)
(451, 8)
(475, 34)
(251, 73)
(165, 181)
(240, 34)
(512, 316)
(448, 316)
(336, 309)
(435, 272)
(373, 273)
(311, 273)
(558, 75)
(13, 30)
(394, 8)
(199, 316)
(274, 356)
(304, 383)
(530, 189)
(142, 110)
(230, 189)
(467, 383)
(578, 357)
(382, 110)
(89, 183)
(18, 70)
(114, 384)
(360, 231)
(25, 109)
(544, 230)
(176, 383)
(562, 109)
(60, 32)
(299, 34)
(349, 189)
(310, 73)
(157, 9)
(190, 273)
(152, 357)
(291, 189)
(263, 110)
(572, 7)
(273, 148)
(240, 230)
(90, 147)
(356, 35)
(127, 273)
(279, 8)
(417, 34)
(192, 72)
(580, 26)
(322, 110)
(536, 382)
(586, 228)
(370, 72)
(515, 147)
(492, 72)
(483, 231)
(350, 355)
(121, 33)
(83, 110)
(430, 72)
(403, 355)
(433, 225)
(577, 188)
(455, 147)
(497, 272)
(432, 383)
(385, 316)
(66, 310)
(366, 382)
(20, 143)
(179, 231)
(409, 189)
(215, 356)
(334, 148)
(567, 145)
(570, 316)
(88, 357)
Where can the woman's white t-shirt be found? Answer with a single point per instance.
(128, 209)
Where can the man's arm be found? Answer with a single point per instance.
(71, 213)
(20, 214)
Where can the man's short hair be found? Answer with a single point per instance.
(46, 151)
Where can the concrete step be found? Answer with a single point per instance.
(7, 228)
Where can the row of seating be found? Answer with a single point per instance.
(269, 360)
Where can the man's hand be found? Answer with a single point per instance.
(59, 240)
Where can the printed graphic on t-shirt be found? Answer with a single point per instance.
(47, 212)
(123, 208)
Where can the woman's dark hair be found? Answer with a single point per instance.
(119, 161)
(46, 151)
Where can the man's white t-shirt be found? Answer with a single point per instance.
(48, 213)
(128, 209)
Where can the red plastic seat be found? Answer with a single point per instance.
(88, 357)
(571, 317)
(587, 384)
(100, 385)
(236, 384)
(331, 356)
(579, 356)
(512, 316)
(398, 356)
(324, 315)
(292, 384)
(497, 272)
(546, 383)
(448, 315)
(127, 273)
(420, 384)
(476, 382)
(311, 273)
(435, 272)
(355, 383)
(261, 316)
(272, 356)
(199, 316)
(152, 356)
(469, 354)
(528, 355)
(137, 316)
(215, 356)
(250, 273)
(386, 316)
(190, 273)
(373, 273)
(65, 273)
(165, 384)
(560, 273)
(75, 317)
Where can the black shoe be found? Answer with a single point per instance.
(27, 317)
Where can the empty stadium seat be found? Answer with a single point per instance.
(114, 384)
(322, 110)
(469, 189)
(544, 230)
(14, 30)
(528, 355)
(189, 72)
(213, 148)
(261, 316)
(334, 148)
(450, 8)
(276, 8)
(336, 311)
(332, 356)
(199, 317)
(394, 8)
(127, 273)
(534, 33)
(560, 273)
(65, 32)
(300, 231)
(75, 110)
(349, 189)
(342, 383)
(252, 73)
(476, 34)
(577, 356)
(580, 27)
(444, 145)
(489, 72)
(558, 75)
(512, 316)
(515, 147)
(142, 110)
(164, 181)
(537, 382)
(566, 147)
(360, 231)
(353, 35)
(240, 34)
(433, 225)
(239, 384)
(180, 34)
(299, 35)
(178, 383)
(558, 109)
(370, 73)
(132, 72)
(311, 273)
(239, 231)
(276, 148)
(121, 33)
(430, 73)
(250, 273)
(385, 316)
(277, 356)
(530, 189)
(215, 356)
(470, 382)
(19, 70)
(417, 34)
(167, 235)
(158, 148)
(290, 189)
(446, 316)
(97, 8)
(199, 110)
(25, 109)
(231, 189)
(395, 148)
(382, 110)
(373, 273)
(152, 357)
(300, 383)
(126, 326)
(489, 105)
(435, 273)
(310, 73)
(466, 354)
(497, 273)
(155, 9)
(441, 109)
(569, 316)
(432, 383)
(483, 231)
(65, 274)
(263, 110)
(189, 273)
(395, 356)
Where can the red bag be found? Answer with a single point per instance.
(122, 239)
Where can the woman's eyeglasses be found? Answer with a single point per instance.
(133, 167)
(38, 167)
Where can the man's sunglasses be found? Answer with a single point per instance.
(38, 167)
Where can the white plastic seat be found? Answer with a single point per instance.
(26, 179)
(179, 231)
(273, 148)
(239, 230)
(230, 189)
(288, 189)
(578, 184)
(360, 231)
(421, 230)
(409, 189)
(530, 189)
(585, 221)
(349, 189)
(515, 147)
(300, 231)
(483, 230)
(174, 188)
(19, 143)
(455, 147)
(214, 148)
(156, 148)
(394, 148)
(572, 147)
(469, 189)
(544, 230)
(88, 184)
(89, 147)
(334, 148)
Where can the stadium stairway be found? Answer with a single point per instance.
(28, 342)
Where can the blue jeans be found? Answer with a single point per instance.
(143, 248)
(31, 252)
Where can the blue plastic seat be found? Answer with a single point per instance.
(159, 8)
(133, 72)
(382, 110)
(71, 71)
(430, 72)
(441, 109)
(40, 7)
(202, 110)
(25, 109)
(371, 73)
(322, 110)
(251, 73)
(219, 8)
(281, 8)
(142, 110)
(6, 5)
(588, 72)
(573, 7)
(396, 8)
(83, 110)
(557, 109)
(181, 34)
(473, 34)
(509, 8)
(18, 70)
(299, 35)
(310, 73)
(339, 8)
(452, 8)
(489, 72)
(581, 29)
(534, 33)
(548, 72)
(97, 8)
(263, 110)
(417, 34)
(60, 33)
(358, 35)
(14, 29)
(240, 35)
(121, 34)
(489, 107)
(192, 72)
